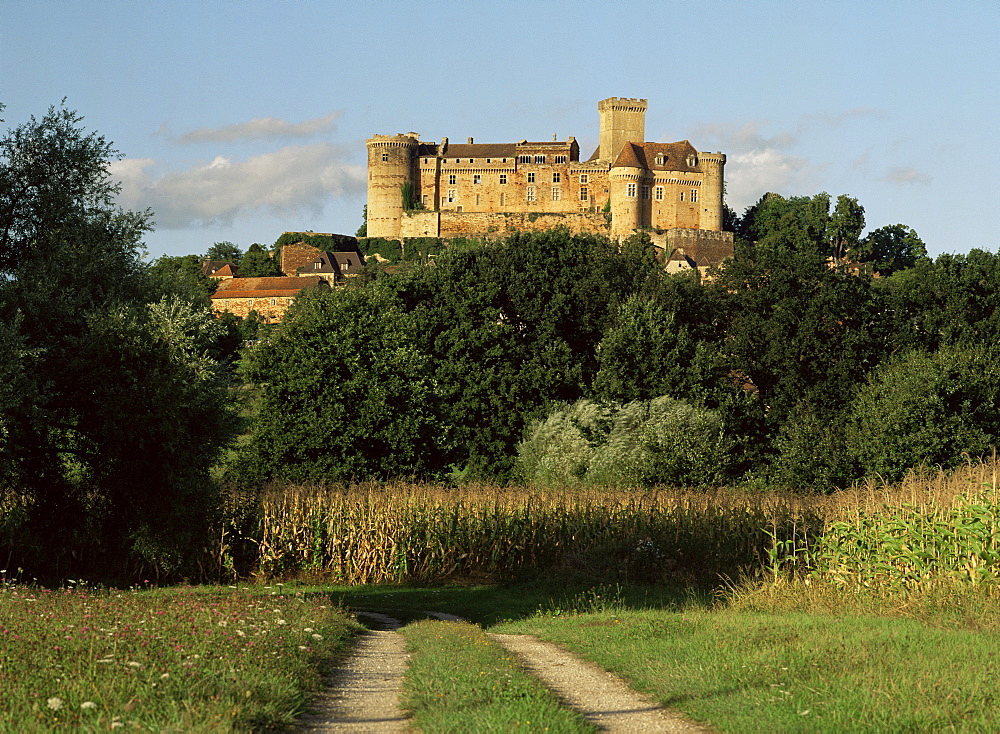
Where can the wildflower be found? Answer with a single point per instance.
(241, 633)
(308, 629)
(55, 703)
(164, 676)
(281, 621)
(88, 705)
(317, 637)
(134, 664)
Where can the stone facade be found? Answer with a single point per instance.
(269, 297)
(484, 189)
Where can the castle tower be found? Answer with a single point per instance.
(622, 120)
(390, 166)
(713, 166)
(625, 183)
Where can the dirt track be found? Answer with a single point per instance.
(364, 692)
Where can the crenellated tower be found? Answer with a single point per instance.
(391, 164)
(623, 120)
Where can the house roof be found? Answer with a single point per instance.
(645, 155)
(349, 262)
(266, 287)
(226, 271)
(210, 267)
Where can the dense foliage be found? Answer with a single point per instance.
(593, 365)
(111, 408)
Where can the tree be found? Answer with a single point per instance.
(845, 227)
(181, 275)
(224, 251)
(345, 393)
(111, 412)
(258, 263)
(891, 249)
(927, 408)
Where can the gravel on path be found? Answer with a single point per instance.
(363, 693)
(604, 699)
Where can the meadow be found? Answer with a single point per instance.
(868, 610)
(171, 660)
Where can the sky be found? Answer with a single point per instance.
(237, 121)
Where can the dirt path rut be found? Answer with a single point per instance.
(364, 692)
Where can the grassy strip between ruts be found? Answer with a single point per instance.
(169, 660)
(846, 668)
(459, 680)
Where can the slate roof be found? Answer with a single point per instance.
(266, 287)
(210, 267)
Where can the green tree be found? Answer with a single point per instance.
(891, 249)
(224, 251)
(181, 275)
(345, 393)
(845, 227)
(927, 408)
(259, 263)
(110, 410)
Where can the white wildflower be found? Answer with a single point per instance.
(55, 703)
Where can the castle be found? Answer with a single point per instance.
(671, 190)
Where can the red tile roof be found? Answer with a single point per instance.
(266, 287)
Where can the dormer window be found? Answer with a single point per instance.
(660, 159)
(692, 161)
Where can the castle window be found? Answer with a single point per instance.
(451, 195)
(584, 194)
(444, 200)
(524, 159)
(503, 178)
(472, 160)
(692, 161)
(477, 199)
(694, 194)
(660, 159)
(584, 178)
(645, 192)
(556, 193)
(682, 196)
(274, 301)
(560, 159)
(531, 178)
(477, 179)
(425, 199)
(659, 193)
(385, 157)
(503, 199)
(452, 179)
(539, 159)
(630, 189)
(556, 177)
(531, 193)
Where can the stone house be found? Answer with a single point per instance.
(269, 297)
(219, 269)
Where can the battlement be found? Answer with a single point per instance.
(624, 104)
(401, 140)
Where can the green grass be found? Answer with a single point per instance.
(184, 659)
(745, 670)
(460, 680)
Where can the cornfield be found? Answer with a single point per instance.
(932, 525)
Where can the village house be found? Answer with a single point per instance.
(269, 297)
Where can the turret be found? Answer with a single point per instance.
(713, 166)
(625, 183)
(390, 166)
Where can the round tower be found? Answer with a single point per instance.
(625, 184)
(390, 166)
(713, 168)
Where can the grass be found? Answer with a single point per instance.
(792, 671)
(460, 680)
(170, 660)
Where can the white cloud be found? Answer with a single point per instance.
(261, 128)
(291, 181)
(756, 163)
(906, 176)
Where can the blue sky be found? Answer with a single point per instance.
(240, 120)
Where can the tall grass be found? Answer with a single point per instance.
(933, 524)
